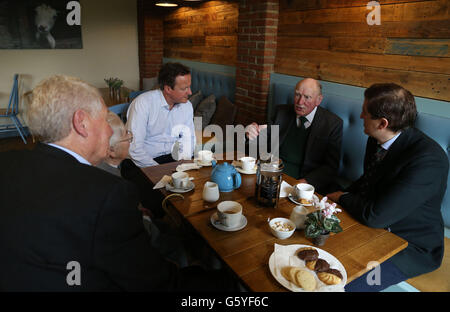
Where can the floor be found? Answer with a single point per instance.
(16, 143)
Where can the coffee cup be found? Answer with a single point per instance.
(210, 192)
(304, 191)
(229, 213)
(180, 180)
(205, 156)
(248, 163)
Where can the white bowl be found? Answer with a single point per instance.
(282, 234)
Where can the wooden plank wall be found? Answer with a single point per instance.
(331, 40)
(204, 33)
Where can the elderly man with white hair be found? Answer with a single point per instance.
(67, 225)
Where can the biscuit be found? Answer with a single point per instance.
(299, 277)
(305, 280)
(318, 265)
(330, 277)
(305, 201)
(308, 254)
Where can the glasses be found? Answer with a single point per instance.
(130, 137)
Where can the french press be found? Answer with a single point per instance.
(269, 175)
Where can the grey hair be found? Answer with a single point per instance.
(117, 127)
(54, 102)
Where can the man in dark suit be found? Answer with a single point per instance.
(310, 137)
(66, 225)
(404, 181)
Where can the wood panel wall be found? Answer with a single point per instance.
(331, 40)
(204, 33)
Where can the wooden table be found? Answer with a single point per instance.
(247, 251)
(111, 101)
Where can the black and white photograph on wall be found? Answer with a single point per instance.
(40, 24)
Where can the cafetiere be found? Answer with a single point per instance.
(269, 175)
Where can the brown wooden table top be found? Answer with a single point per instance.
(111, 101)
(247, 251)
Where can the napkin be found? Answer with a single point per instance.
(187, 166)
(163, 182)
(283, 258)
(285, 189)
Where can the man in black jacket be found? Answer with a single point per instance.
(310, 137)
(401, 190)
(66, 225)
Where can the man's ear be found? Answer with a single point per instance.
(80, 122)
(167, 89)
(384, 123)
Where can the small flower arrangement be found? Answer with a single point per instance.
(114, 83)
(322, 221)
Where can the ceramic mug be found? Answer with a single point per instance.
(205, 156)
(248, 163)
(304, 191)
(210, 192)
(180, 180)
(298, 216)
(229, 213)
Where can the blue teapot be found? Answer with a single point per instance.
(226, 177)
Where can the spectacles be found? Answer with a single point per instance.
(129, 139)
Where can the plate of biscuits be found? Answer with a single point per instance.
(307, 268)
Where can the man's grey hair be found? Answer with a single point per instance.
(117, 127)
(54, 102)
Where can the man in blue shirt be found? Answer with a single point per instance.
(162, 120)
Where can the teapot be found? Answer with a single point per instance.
(226, 176)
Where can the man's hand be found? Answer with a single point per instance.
(253, 129)
(335, 196)
(302, 181)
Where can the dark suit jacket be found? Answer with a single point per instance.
(323, 148)
(405, 196)
(55, 210)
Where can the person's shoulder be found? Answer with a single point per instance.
(422, 141)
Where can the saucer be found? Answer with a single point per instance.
(240, 170)
(189, 188)
(215, 222)
(204, 164)
(294, 199)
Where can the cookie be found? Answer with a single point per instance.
(308, 254)
(330, 277)
(318, 265)
(305, 280)
(299, 277)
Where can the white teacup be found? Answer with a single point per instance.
(205, 156)
(248, 163)
(229, 213)
(180, 179)
(210, 192)
(304, 191)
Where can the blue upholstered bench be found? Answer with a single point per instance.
(354, 139)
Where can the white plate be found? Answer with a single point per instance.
(293, 260)
(293, 199)
(189, 188)
(215, 222)
(253, 171)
